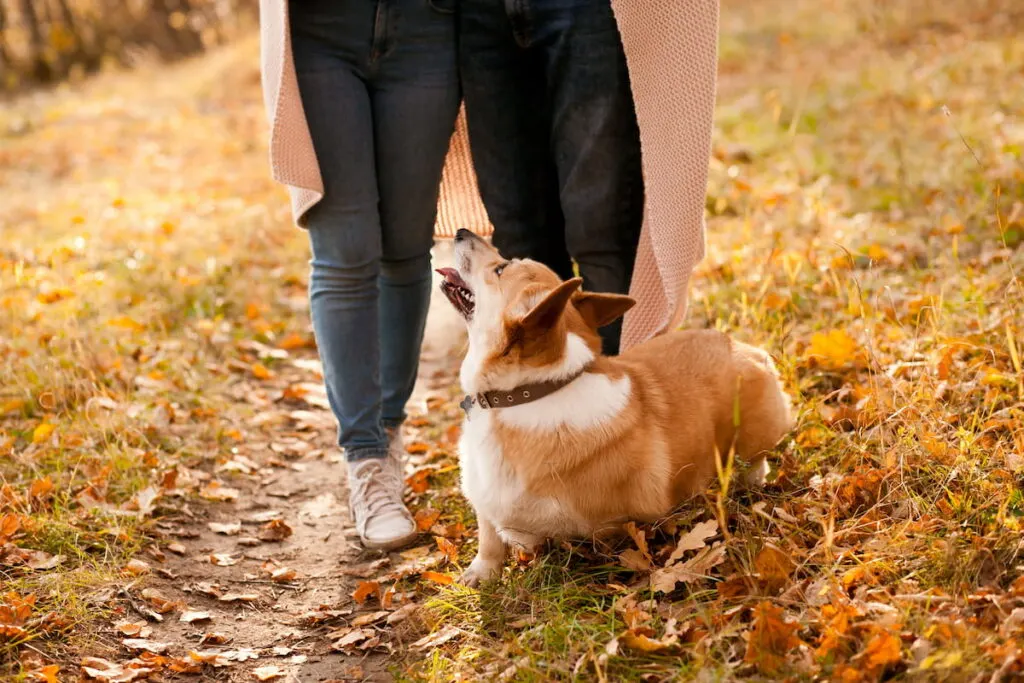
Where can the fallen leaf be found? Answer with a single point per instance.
(695, 569)
(267, 673)
(401, 614)
(134, 629)
(40, 487)
(275, 530)
(47, 674)
(283, 575)
(191, 617)
(364, 590)
(437, 577)
(771, 638)
(348, 638)
(370, 618)
(136, 567)
(146, 644)
(425, 518)
(105, 670)
(228, 529)
(773, 566)
(450, 550)
(260, 371)
(239, 597)
(639, 641)
(433, 640)
(833, 350)
(215, 492)
(223, 559)
(42, 432)
(695, 539)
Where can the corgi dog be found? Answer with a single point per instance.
(562, 442)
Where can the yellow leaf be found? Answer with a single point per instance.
(42, 432)
(11, 406)
(834, 349)
(126, 323)
(364, 590)
(638, 641)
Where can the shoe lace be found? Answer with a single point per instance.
(378, 489)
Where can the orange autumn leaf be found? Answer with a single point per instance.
(418, 481)
(47, 674)
(417, 448)
(771, 639)
(40, 487)
(448, 548)
(883, 649)
(9, 525)
(260, 371)
(437, 577)
(295, 341)
(426, 518)
(364, 590)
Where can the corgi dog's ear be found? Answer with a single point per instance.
(599, 309)
(546, 313)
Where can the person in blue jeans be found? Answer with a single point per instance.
(554, 136)
(379, 85)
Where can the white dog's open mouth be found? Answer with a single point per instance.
(457, 291)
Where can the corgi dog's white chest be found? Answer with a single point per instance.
(498, 495)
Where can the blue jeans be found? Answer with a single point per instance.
(379, 86)
(554, 136)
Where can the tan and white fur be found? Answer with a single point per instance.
(629, 438)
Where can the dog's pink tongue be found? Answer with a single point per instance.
(448, 273)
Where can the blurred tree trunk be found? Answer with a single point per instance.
(41, 69)
(5, 57)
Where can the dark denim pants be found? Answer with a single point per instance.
(554, 136)
(379, 86)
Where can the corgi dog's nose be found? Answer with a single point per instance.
(462, 234)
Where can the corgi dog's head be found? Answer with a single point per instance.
(525, 324)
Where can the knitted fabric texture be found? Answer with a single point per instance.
(671, 52)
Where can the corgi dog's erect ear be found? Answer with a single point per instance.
(599, 309)
(545, 314)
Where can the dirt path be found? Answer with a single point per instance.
(277, 603)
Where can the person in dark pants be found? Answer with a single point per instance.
(554, 136)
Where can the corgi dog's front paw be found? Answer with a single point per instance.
(480, 570)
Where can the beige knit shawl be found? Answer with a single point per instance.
(671, 50)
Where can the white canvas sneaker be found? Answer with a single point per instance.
(375, 498)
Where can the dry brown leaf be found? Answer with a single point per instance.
(239, 597)
(104, 670)
(190, 617)
(639, 641)
(433, 640)
(134, 629)
(223, 559)
(695, 539)
(275, 530)
(136, 567)
(370, 618)
(215, 492)
(401, 614)
(349, 638)
(227, 529)
(283, 575)
(771, 638)
(774, 566)
(268, 673)
(153, 646)
(695, 569)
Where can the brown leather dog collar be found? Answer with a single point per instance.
(521, 395)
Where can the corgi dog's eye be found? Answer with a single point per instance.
(500, 268)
